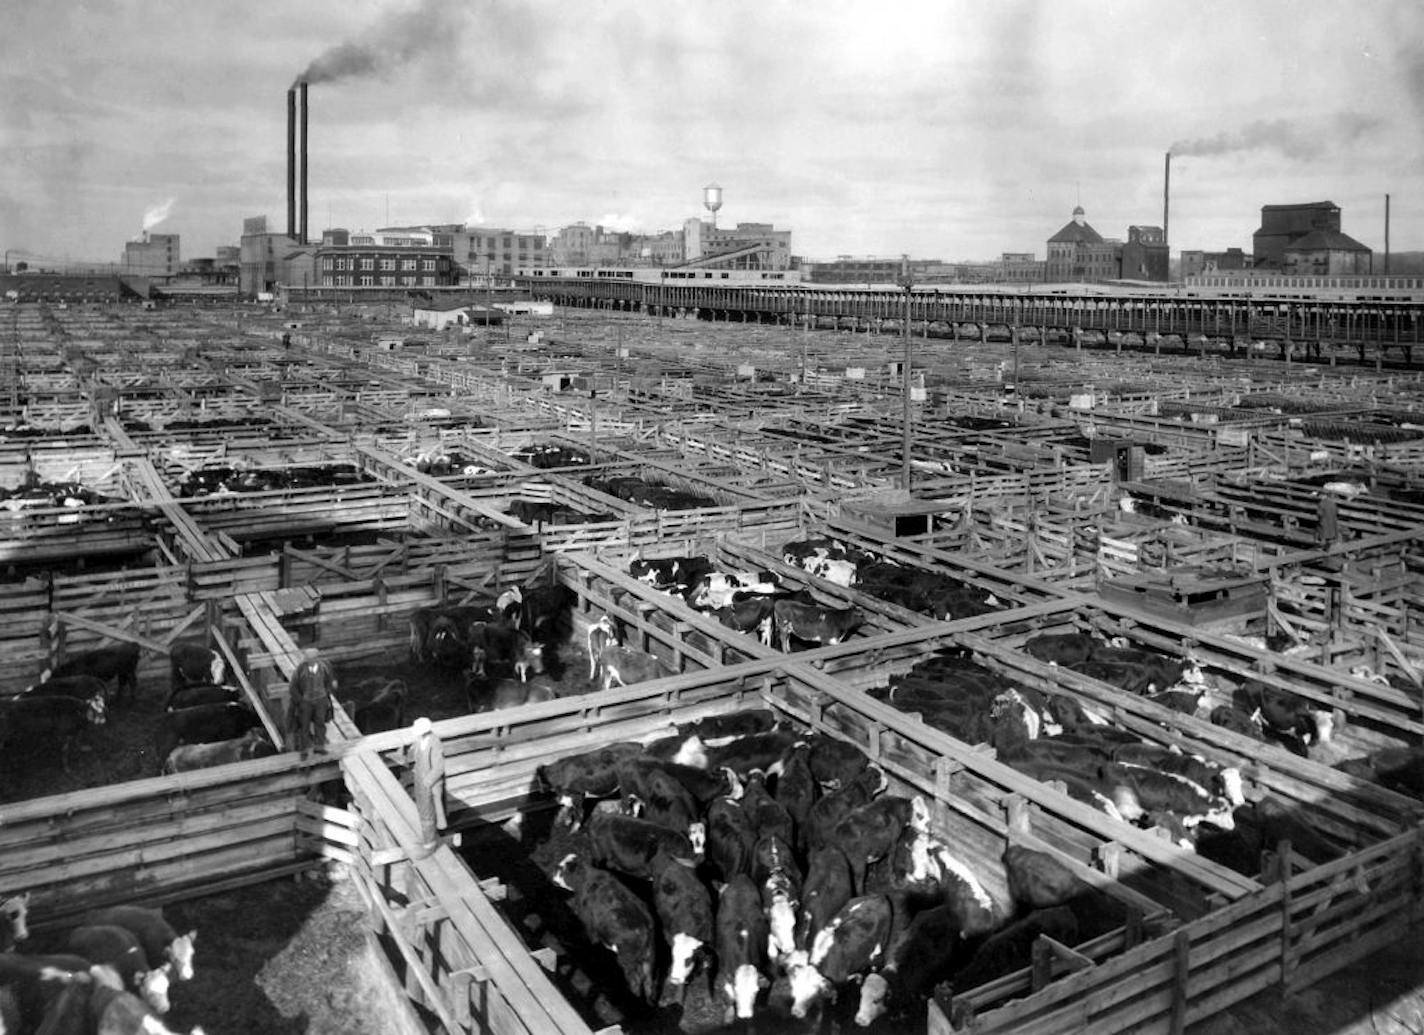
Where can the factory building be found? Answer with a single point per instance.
(153, 255)
(1078, 253)
(747, 246)
(1145, 255)
(400, 257)
(1197, 261)
(1307, 239)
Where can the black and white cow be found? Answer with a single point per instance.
(614, 917)
(741, 946)
(852, 943)
(191, 662)
(684, 908)
(117, 664)
(812, 623)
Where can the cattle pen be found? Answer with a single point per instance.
(359, 486)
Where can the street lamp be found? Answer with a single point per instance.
(906, 281)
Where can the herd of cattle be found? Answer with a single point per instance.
(110, 975)
(645, 493)
(223, 479)
(204, 722)
(38, 495)
(776, 872)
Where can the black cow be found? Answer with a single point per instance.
(118, 664)
(440, 634)
(775, 872)
(497, 642)
(768, 816)
(200, 693)
(159, 940)
(826, 889)
(613, 917)
(548, 613)
(628, 845)
(40, 721)
(384, 711)
(684, 909)
(796, 787)
(191, 662)
(86, 688)
(831, 808)
(186, 757)
(118, 947)
(588, 774)
(664, 801)
(740, 723)
(752, 614)
(827, 625)
(1011, 948)
(869, 832)
(1294, 721)
(919, 957)
(730, 839)
(835, 762)
(704, 785)
(1067, 649)
(741, 946)
(204, 724)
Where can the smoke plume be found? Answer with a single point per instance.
(1293, 140)
(157, 214)
(394, 40)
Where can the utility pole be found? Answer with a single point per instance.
(907, 282)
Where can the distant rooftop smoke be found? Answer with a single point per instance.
(157, 214)
(1291, 139)
(393, 40)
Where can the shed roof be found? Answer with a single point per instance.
(1326, 240)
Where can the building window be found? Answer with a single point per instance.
(388, 264)
(367, 264)
(328, 264)
(407, 264)
(388, 281)
(427, 281)
(427, 264)
(367, 280)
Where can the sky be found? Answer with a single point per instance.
(951, 129)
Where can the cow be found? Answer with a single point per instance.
(1011, 948)
(726, 726)
(1037, 880)
(116, 1012)
(835, 762)
(749, 614)
(548, 613)
(702, 784)
(117, 664)
(86, 688)
(39, 721)
(119, 948)
(35, 982)
(384, 711)
(753, 751)
(684, 908)
(528, 657)
(853, 941)
(869, 832)
(614, 917)
(623, 666)
(1295, 722)
(831, 808)
(1066, 649)
(495, 645)
(717, 589)
(665, 801)
(826, 889)
(14, 920)
(812, 623)
(204, 724)
(192, 662)
(590, 774)
(1223, 780)
(766, 813)
(796, 786)
(440, 633)
(601, 634)
(730, 838)
(920, 956)
(741, 946)
(775, 872)
(200, 693)
(156, 936)
(187, 757)
(1136, 791)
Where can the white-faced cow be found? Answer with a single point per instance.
(623, 666)
(741, 947)
(852, 943)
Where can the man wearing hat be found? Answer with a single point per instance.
(309, 702)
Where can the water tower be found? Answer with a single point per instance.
(712, 200)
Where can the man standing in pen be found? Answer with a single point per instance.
(309, 703)
(428, 763)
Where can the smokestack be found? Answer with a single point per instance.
(1167, 204)
(304, 237)
(292, 162)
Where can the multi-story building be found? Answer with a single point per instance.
(1281, 225)
(1145, 256)
(1326, 253)
(265, 257)
(748, 246)
(1080, 253)
(153, 255)
(399, 258)
(485, 252)
(1020, 268)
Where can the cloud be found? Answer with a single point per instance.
(433, 28)
(1295, 139)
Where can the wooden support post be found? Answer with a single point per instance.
(1181, 978)
(1283, 874)
(1108, 858)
